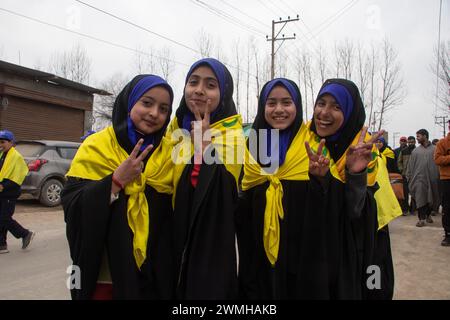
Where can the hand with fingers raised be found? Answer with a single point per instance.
(359, 155)
(201, 132)
(318, 164)
(131, 168)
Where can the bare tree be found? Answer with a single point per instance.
(441, 69)
(205, 43)
(282, 64)
(145, 61)
(321, 61)
(338, 63)
(237, 78)
(302, 68)
(373, 62)
(74, 65)
(392, 87)
(166, 64)
(363, 69)
(257, 70)
(103, 105)
(345, 57)
(250, 44)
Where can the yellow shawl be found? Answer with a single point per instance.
(227, 139)
(295, 167)
(14, 168)
(387, 204)
(100, 154)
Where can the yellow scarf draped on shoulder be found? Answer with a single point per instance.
(227, 139)
(387, 204)
(388, 153)
(14, 168)
(100, 154)
(295, 167)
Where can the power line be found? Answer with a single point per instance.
(224, 15)
(138, 26)
(245, 14)
(152, 32)
(90, 37)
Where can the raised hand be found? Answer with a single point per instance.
(204, 135)
(318, 164)
(132, 167)
(359, 156)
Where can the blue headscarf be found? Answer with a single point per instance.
(345, 101)
(219, 71)
(286, 136)
(146, 83)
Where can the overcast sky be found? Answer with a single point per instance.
(410, 25)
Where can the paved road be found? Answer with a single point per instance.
(421, 264)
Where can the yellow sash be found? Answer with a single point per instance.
(388, 153)
(387, 203)
(100, 154)
(295, 167)
(14, 168)
(227, 139)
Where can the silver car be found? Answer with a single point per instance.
(48, 162)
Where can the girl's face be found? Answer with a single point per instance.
(328, 116)
(201, 86)
(150, 112)
(280, 110)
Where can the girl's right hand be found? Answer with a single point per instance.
(132, 167)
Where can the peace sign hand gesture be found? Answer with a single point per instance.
(318, 164)
(201, 133)
(132, 167)
(359, 156)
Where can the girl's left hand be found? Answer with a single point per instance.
(318, 164)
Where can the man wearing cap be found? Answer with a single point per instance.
(403, 145)
(423, 178)
(13, 170)
(442, 159)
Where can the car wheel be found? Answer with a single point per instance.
(51, 193)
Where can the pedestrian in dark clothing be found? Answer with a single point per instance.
(402, 163)
(13, 170)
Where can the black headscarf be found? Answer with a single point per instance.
(354, 123)
(121, 118)
(226, 106)
(288, 134)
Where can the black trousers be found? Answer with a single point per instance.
(405, 202)
(7, 223)
(424, 212)
(445, 189)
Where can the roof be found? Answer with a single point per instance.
(52, 143)
(48, 77)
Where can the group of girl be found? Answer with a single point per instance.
(149, 216)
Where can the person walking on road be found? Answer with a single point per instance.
(423, 178)
(13, 170)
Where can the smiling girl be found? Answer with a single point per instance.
(117, 200)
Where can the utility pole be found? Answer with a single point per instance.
(442, 121)
(275, 38)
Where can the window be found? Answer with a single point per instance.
(30, 149)
(67, 152)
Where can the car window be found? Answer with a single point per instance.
(67, 152)
(30, 149)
